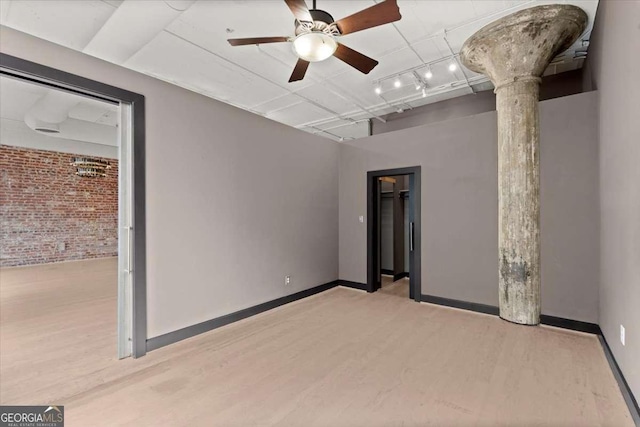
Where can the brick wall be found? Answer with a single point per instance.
(49, 214)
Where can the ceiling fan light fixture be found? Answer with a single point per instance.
(314, 46)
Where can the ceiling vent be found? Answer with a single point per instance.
(50, 116)
(47, 128)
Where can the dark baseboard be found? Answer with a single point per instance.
(464, 305)
(354, 285)
(574, 325)
(627, 394)
(400, 276)
(560, 322)
(193, 330)
(545, 319)
(386, 272)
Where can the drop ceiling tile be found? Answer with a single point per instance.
(425, 18)
(374, 41)
(166, 56)
(243, 18)
(4, 11)
(326, 97)
(18, 97)
(352, 130)
(252, 58)
(299, 114)
(98, 112)
(395, 62)
(332, 68)
(487, 7)
(70, 23)
(278, 103)
(437, 97)
(428, 50)
(342, 9)
(332, 124)
(360, 89)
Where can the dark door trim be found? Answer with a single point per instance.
(51, 77)
(415, 255)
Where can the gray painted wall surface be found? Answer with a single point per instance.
(613, 65)
(459, 196)
(234, 201)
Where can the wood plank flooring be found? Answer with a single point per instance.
(339, 358)
(398, 288)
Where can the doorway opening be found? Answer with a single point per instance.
(87, 137)
(393, 232)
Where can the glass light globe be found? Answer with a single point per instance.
(315, 46)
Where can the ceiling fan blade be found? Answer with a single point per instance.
(299, 71)
(357, 60)
(257, 40)
(299, 9)
(380, 14)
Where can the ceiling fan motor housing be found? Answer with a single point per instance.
(321, 22)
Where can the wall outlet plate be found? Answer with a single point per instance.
(622, 333)
(287, 280)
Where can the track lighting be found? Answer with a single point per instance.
(428, 74)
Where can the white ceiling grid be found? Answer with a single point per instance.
(184, 42)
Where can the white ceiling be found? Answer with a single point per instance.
(184, 42)
(17, 97)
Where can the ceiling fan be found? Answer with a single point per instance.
(316, 32)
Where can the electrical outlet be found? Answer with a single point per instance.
(287, 280)
(361, 218)
(622, 334)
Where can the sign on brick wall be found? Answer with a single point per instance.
(49, 214)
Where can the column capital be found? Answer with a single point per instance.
(521, 45)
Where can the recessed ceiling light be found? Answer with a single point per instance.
(397, 83)
(452, 66)
(428, 74)
(424, 93)
(418, 86)
(378, 90)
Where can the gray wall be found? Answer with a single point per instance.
(234, 201)
(459, 199)
(613, 65)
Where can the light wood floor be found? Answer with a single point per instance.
(340, 358)
(398, 288)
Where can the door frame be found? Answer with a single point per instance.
(373, 235)
(40, 74)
